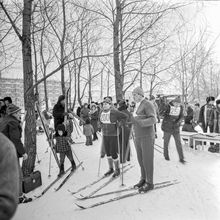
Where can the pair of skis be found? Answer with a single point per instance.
(57, 179)
(98, 180)
(116, 198)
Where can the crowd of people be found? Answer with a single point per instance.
(116, 122)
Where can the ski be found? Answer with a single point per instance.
(105, 184)
(90, 184)
(49, 136)
(131, 188)
(52, 183)
(123, 196)
(67, 177)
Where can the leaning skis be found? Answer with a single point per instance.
(123, 196)
(68, 176)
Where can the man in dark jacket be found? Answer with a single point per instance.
(9, 178)
(171, 126)
(11, 128)
(58, 111)
(144, 118)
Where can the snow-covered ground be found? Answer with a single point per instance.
(196, 197)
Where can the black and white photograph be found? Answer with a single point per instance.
(109, 109)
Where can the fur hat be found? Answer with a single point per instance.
(107, 100)
(177, 99)
(138, 90)
(217, 101)
(61, 97)
(61, 127)
(210, 98)
(11, 109)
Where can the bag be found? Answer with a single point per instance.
(32, 181)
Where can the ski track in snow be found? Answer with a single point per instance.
(196, 197)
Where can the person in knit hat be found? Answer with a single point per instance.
(143, 119)
(63, 147)
(173, 116)
(11, 128)
(205, 114)
(109, 119)
(58, 111)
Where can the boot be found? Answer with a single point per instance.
(24, 199)
(146, 187)
(117, 169)
(61, 170)
(111, 170)
(73, 165)
(140, 184)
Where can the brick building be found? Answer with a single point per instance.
(14, 89)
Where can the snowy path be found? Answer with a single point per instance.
(197, 197)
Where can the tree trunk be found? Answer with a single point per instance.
(29, 99)
(118, 79)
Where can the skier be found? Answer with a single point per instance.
(109, 119)
(62, 146)
(171, 126)
(144, 118)
(88, 131)
(11, 128)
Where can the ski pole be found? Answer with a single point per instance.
(49, 165)
(118, 145)
(78, 159)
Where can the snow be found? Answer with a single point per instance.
(196, 197)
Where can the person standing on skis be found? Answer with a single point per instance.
(109, 119)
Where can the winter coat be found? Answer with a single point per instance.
(109, 120)
(205, 118)
(62, 144)
(84, 113)
(172, 118)
(88, 130)
(11, 128)
(215, 117)
(143, 123)
(9, 178)
(94, 120)
(58, 114)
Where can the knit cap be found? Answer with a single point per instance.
(138, 90)
(11, 109)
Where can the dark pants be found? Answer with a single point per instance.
(177, 139)
(126, 148)
(95, 136)
(145, 155)
(88, 140)
(64, 154)
(111, 146)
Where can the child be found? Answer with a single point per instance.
(63, 147)
(109, 118)
(88, 131)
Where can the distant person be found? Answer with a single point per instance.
(58, 111)
(205, 114)
(173, 116)
(94, 115)
(84, 113)
(196, 113)
(9, 178)
(11, 128)
(88, 132)
(7, 100)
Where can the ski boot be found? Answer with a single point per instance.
(139, 184)
(111, 170)
(146, 187)
(117, 169)
(61, 170)
(24, 199)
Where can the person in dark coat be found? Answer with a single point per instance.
(11, 128)
(9, 178)
(143, 119)
(63, 147)
(205, 114)
(84, 113)
(173, 116)
(58, 111)
(127, 130)
(94, 115)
